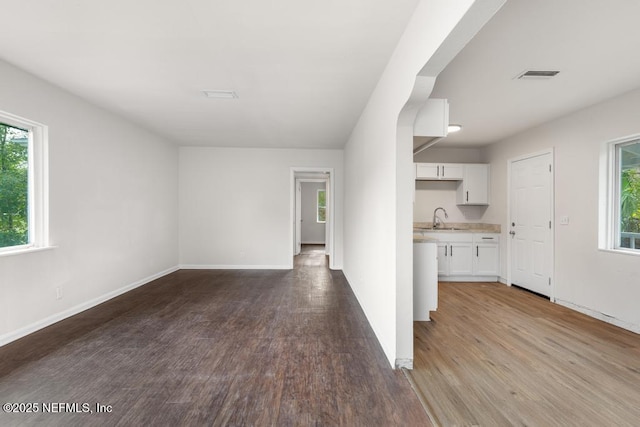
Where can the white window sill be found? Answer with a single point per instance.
(24, 250)
(632, 252)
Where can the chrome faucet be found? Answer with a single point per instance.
(436, 219)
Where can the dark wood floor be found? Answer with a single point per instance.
(499, 356)
(255, 348)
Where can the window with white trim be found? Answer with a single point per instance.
(627, 195)
(321, 206)
(22, 184)
(620, 196)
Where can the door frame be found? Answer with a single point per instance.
(298, 216)
(313, 174)
(508, 257)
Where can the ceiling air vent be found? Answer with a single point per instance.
(537, 74)
(221, 94)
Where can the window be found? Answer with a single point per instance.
(14, 186)
(627, 157)
(321, 210)
(22, 192)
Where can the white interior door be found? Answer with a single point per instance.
(530, 226)
(298, 233)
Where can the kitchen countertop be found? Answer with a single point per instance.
(418, 238)
(456, 227)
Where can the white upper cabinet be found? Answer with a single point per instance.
(440, 171)
(432, 119)
(474, 188)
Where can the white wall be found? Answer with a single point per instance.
(586, 278)
(312, 231)
(235, 205)
(371, 180)
(439, 154)
(113, 208)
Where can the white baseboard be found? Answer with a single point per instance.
(600, 316)
(312, 243)
(48, 321)
(478, 279)
(233, 267)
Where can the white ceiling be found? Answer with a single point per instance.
(303, 70)
(595, 44)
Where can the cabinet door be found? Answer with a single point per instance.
(427, 171)
(452, 171)
(474, 188)
(460, 258)
(438, 171)
(443, 259)
(486, 259)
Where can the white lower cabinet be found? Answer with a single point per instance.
(443, 261)
(486, 261)
(472, 257)
(455, 252)
(460, 258)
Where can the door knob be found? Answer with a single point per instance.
(513, 233)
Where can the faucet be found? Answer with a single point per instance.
(436, 219)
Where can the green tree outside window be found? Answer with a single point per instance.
(629, 191)
(14, 186)
(322, 206)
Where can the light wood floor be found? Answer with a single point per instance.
(237, 348)
(500, 356)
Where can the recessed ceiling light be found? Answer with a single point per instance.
(221, 94)
(454, 128)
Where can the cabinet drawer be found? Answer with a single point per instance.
(452, 236)
(486, 238)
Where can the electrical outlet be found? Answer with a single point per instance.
(58, 293)
(564, 220)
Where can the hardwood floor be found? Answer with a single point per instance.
(255, 348)
(311, 256)
(500, 356)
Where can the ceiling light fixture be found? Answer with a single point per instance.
(221, 94)
(454, 128)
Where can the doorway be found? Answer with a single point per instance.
(312, 212)
(530, 240)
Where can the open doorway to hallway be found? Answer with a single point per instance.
(312, 256)
(312, 213)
